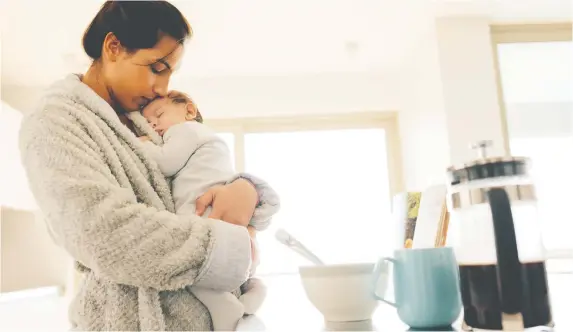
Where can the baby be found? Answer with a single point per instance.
(196, 159)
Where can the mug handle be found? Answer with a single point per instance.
(376, 277)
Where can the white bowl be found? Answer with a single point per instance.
(342, 293)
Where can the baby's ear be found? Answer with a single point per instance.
(191, 111)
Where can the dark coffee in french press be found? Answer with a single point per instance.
(481, 296)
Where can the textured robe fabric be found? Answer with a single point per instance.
(108, 205)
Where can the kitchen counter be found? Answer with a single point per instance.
(287, 309)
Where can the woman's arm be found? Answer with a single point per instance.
(269, 202)
(104, 227)
(235, 210)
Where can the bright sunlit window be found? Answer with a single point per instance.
(333, 178)
(229, 138)
(334, 192)
(537, 81)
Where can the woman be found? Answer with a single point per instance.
(107, 203)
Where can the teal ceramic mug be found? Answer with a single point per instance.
(426, 286)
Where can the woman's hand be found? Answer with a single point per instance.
(144, 138)
(234, 203)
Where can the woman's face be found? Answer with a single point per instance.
(134, 79)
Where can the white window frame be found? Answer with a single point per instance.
(525, 33)
(355, 120)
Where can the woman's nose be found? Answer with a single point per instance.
(161, 86)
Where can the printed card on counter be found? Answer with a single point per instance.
(405, 208)
(430, 217)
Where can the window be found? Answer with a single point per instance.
(334, 190)
(537, 83)
(229, 138)
(335, 185)
(552, 170)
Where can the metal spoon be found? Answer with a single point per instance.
(292, 243)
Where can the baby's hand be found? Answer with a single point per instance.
(144, 138)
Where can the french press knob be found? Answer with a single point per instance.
(481, 147)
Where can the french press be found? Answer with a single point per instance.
(497, 241)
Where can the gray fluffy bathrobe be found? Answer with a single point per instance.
(110, 207)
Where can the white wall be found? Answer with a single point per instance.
(14, 191)
(224, 97)
(449, 99)
(28, 257)
(469, 85)
(21, 98)
(423, 127)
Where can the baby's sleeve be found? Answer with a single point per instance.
(269, 202)
(179, 143)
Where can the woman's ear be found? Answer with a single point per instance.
(112, 47)
(191, 112)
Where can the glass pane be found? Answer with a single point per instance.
(334, 194)
(229, 138)
(537, 80)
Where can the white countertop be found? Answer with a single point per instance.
(287, 309)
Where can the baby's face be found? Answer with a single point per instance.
(162, 114)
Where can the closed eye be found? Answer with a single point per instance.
(160, 66)
(155, 70)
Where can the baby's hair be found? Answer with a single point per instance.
(178, 97)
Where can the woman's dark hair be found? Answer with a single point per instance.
(136, 24)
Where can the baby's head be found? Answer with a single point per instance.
(175, 108)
